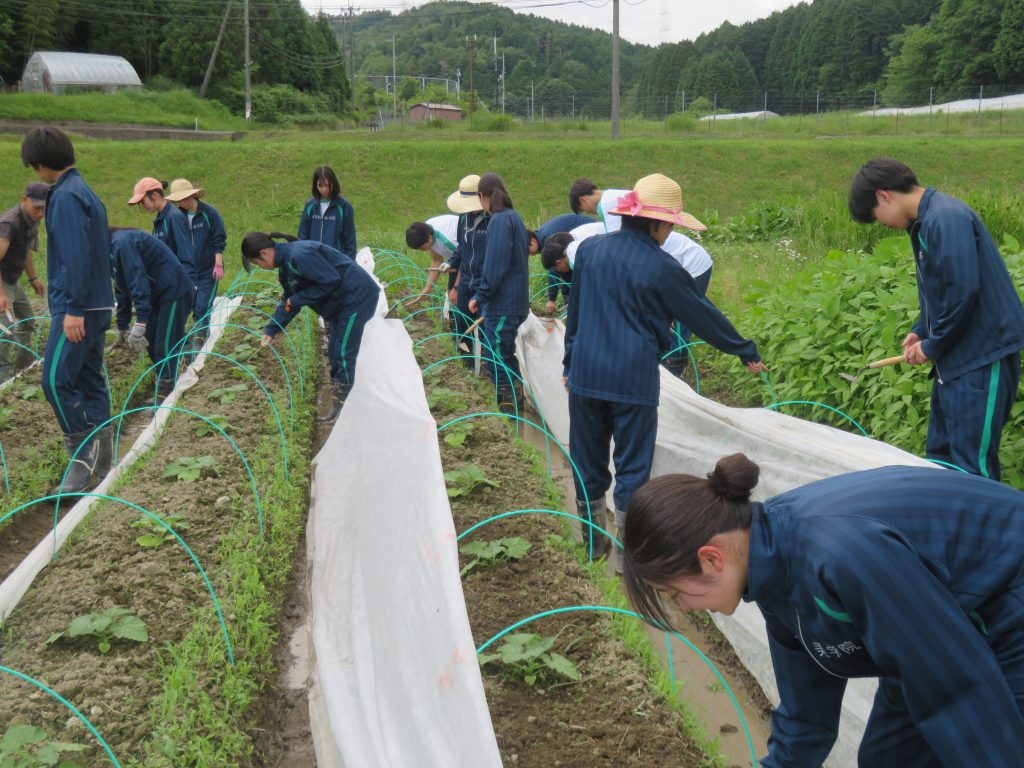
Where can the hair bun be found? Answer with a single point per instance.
(734, 477)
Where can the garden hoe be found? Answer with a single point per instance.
(463, 347)
(876, 364)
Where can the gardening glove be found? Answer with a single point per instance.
(137, 338)
(218, 271)
(444, 267)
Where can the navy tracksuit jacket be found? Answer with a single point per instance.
(564, 222)
(171, 227)
(972, 328)
(467, 263)
(334, 286)
(78, 274)
(909, 574)
(150, 277)
(335, 227)
(209, 237)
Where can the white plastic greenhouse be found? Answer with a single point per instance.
(55, 71)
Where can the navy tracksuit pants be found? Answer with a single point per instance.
(73, 379)
(500, 363)
(164, 332)
(346, 334)
(206, 292)
(593, 424)
(462, 320)
(968, 414)
(678, 355)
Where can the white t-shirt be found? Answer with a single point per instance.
(446, 228)
(609, 202)
(690, 255)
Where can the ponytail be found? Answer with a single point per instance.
(492, 187)
(254, 242)
(673, 516)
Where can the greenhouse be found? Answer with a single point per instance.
(56, 71)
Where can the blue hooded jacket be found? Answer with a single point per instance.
(503, 287)
(208, 236)
(146, 273)
(907, 573)
(336, 227)
(971, 314)
(171, 228)
(77, 248)
(322, 278)
(467, 262)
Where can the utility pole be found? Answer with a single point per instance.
(216, 50)
(351, 19)
(394, 80)
(615, 69)
(471, 39)
(503, 82)
(248, 64)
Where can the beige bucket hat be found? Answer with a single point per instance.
(182, 188)
(657, 197)
(466, 198)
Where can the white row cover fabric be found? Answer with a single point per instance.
(693, 433)
(18, 582)
(396, 679)
(993, 104)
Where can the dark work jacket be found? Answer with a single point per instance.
(146, 273)
(208, 236)
(467, 262)
(322, 278)
(971, 314)
(23, 234)
(626, 291)
(503, 288)
(336, 227)
(77, 248)
(907, 573)
(564, 222)
(171, 228)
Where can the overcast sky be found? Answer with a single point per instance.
(641, 21)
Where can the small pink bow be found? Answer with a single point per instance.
(632, 201)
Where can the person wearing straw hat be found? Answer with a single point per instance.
(625, 293)
(908, 574)
(209, 239)
(19, 236)
(81, 301)
(466, 264)
(170, 225)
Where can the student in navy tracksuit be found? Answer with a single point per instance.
(554, 259)
(971, 325)
(80, 299)
(149, 277)
(209, 239)
(330, 283)
(625, 293)
(467, 262)
(170, 225)
(908, 574)
(502, 290)
(328, 217)
(557, 281)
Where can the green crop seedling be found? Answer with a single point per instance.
(226, 395)
(189, 469)
(106, 625)
(32, 392)
(457, 433)
(26, 746)
(486, 553)
(445, 399)
(157, 534)
(529, 658)
(203, 428)
(464, 481)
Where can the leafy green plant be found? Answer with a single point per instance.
(445, 399)
(244, 351)
(32, 392)
(189, 469)
(226, 395)
(457, 433)
(106, 625)
(203, 428)
(465, 480)
(529, 658)
(486, 553)
(5, 417)
(26, 746)
(157, 535)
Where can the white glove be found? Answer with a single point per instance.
(137, 338)
(444, 267)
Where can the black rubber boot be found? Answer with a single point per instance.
(80, 473)
(598, 517)
(506, 403)
(339, 392)
(104, 442)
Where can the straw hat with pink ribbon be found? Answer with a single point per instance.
(657, 197)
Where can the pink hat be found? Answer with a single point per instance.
(142, 187)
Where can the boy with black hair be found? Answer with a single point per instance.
(971, 326)
(556, 282)
(438, 236)
(81, 301)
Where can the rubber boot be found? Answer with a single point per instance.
(506, 403)
(164, 387)
(104, 442)
(80, 473)
(598, 516)
(339, 392)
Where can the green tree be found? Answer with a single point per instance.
(1009, 48)
(911, 69)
